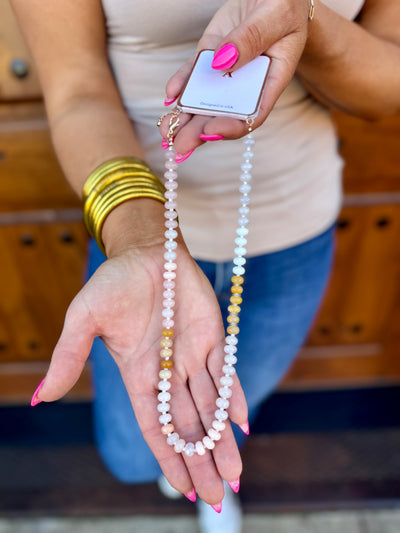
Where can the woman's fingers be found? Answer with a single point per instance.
(70, 354)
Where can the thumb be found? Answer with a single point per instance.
(69, 356)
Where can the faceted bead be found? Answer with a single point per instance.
(170, 266)
(238, 270)
(231, 339)
(234, 309)
(165, 418)
(171, 224)
(179, 446)
(243, 221)
(228, 370)
(232, 319)
(168, 323)
(248, 154)
(218, 425)
(189, 449)
(171, 185)
(208, 443)
(163, 407)
(169, 284)
(233, 330)
(236, 289)
(168, 302)
(171, 204)
(167, 363)
(200, 448)
(240, 251)
(171, 165)
(243, 210)
(235, 299)
(240, 241)
(171, 245)
(224, 392)
(170, 175)
(246, 166)
(237, 280)
(230, 348)
(222, 403)
(214, 434)
(166, 352)
(249, 141)
(169, 275)
(164, 385)
(171, 195)
(170, 256)
(240, 261)
(169, 294)
(167, 429)
(167, 313)
(245, 188)
(220, 414)
(230, 359)
(170, 215)
(172, 439)
(245, 177)
(171, 234)
(166, 343)
(244, 200)
(164, 396)
(165, 373)
(226, 381)
(242, 232)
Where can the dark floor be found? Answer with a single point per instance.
(307, 451)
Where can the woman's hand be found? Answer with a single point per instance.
(277, 28)
(122, 304)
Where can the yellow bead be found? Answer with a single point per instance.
(236, 289)
(235, 299)
(167, 363)
(232, 330)
(167, 429)
(166, 343)
(234, 309)
(237, 280)
(166, 352)
(167, 332)
(233, 319)
(165, 373)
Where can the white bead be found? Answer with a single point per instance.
(168, 303)
(230, 359)
(171, 185)
(246, 166)
(171, 245)
(170, 215)
(169, 275)
(248, 154)
(163, 407)
(189, 449)
(244, 200)
(168, 284)
(168, 323)
(165, 418)
(220, 414)
(208, 443)
(171, 195)
(249, 141)
(224, 392)
(165, 373)
(244, 210)
(171, 224)
(164, 385)
(170, 256)
(171, 204)
(226, 381)
(238, 271)
(239, 261)
(240, 241)
(179, 446)
(169, 294)
(170, 266)
(167, 313)
(228, 370)
(230, 348)
(218, 425)
(245, 177)
(231, 339)
(242, 232)
(240, 251)
(171, 234)
(164, 396)
(222, 403)
(172, 439)
(171, 165)
(214, 434)
(200, 448)
(243, 221)
(245, 188)
(170, 175)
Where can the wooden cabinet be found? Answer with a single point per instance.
(355, 340)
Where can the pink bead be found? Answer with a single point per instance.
(171, 165)
(168, 323)
(169, 275)
(166, 430)
(171, 224)
(168, 284)
(168, 303)
(170, 214)
(170, 204)
(170, 175)
(171, 185)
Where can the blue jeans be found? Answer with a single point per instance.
(282, 294)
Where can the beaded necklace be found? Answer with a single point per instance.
(169, 276)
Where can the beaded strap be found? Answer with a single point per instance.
(169, 275)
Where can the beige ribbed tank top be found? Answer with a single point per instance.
(297, 171)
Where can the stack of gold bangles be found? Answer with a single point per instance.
(112, 183)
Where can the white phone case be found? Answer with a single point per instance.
(218, 93)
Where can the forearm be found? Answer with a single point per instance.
(349, 68)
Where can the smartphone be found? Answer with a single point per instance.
(227, 94)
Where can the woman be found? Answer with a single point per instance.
(103, 66)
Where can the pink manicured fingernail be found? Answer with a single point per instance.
(164, 144)
(35, 400)
(204, 137)
(245, 428)
(191, 495)
(169, 101)
(235, 485)
(181, 157)
(226, 57)
(218, 507)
